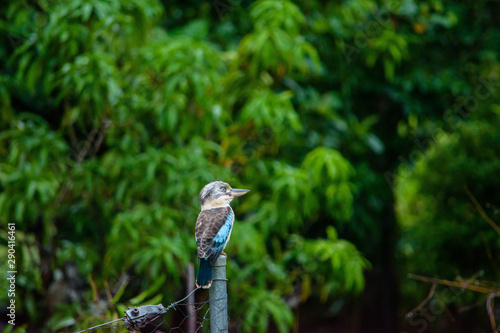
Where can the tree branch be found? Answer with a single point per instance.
(481, 210)
(489, 308)
(423, 303)
(463, 285)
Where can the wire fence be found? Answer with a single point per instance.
(192, 317)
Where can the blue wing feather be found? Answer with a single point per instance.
(221, 237)
(224, 231)
(212, 232)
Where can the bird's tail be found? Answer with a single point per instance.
(204, 278)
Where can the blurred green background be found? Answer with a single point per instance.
(368, 133)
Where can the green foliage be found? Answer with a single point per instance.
(329, 257)
(276, 45)
(439, 204)
(28, 173)
(123, 122)
(262, 307)
(114, 115)
(270, 110)
(456, 168)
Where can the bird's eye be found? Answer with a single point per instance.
(223, 189)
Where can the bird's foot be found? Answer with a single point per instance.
(224, 254)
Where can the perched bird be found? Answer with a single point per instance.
(213, 227)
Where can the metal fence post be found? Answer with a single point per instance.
(218, 298)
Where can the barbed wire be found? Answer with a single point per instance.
(157, 312)
(200, 320)
(101, 325)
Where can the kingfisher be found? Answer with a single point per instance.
(213, 227)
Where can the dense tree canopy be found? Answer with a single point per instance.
(114, 114)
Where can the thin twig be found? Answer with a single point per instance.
(106, 124)
(489, 308)
(449, 314)
(463, 285)
(423, 303)
(488, 252)
(481, 210)
(95, 292)
(110, 298)
(470, 306)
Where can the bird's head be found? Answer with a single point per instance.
(218, 194)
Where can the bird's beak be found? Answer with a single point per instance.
(236, 192)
